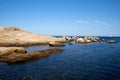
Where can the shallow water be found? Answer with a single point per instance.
(94, 61)
(36, 48)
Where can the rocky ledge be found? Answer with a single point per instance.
(18, 54)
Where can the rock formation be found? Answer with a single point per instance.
(12, 36)
(10, 55)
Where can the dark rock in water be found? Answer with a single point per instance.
(111, 41)
(56, 44)
(20, 57)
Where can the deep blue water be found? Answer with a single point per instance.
(94, 61)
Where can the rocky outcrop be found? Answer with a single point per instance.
(111, 41)
(56, 44)
(12, 56)
(87, 39)
(12, 36)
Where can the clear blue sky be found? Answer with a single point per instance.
(63, 17)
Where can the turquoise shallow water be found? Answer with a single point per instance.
(94, 61)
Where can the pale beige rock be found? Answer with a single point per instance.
(80, 40)
(12, 49)
(13, 36)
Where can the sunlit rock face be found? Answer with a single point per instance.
(13, 36)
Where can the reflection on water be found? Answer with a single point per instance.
(94, 61)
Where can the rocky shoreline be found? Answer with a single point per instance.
(18, 54)
(13, 40)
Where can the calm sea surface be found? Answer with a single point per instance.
(94, 61)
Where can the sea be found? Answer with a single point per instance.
(93, 61)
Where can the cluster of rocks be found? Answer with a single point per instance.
(88, 39)
(81, 40)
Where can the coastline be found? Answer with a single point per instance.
(13, 40)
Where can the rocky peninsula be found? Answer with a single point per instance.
(13, 40)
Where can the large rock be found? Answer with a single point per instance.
(80, 40)
(56, 44)
(20, 57)
(12, 36)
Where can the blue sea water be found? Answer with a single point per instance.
(94, 61)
